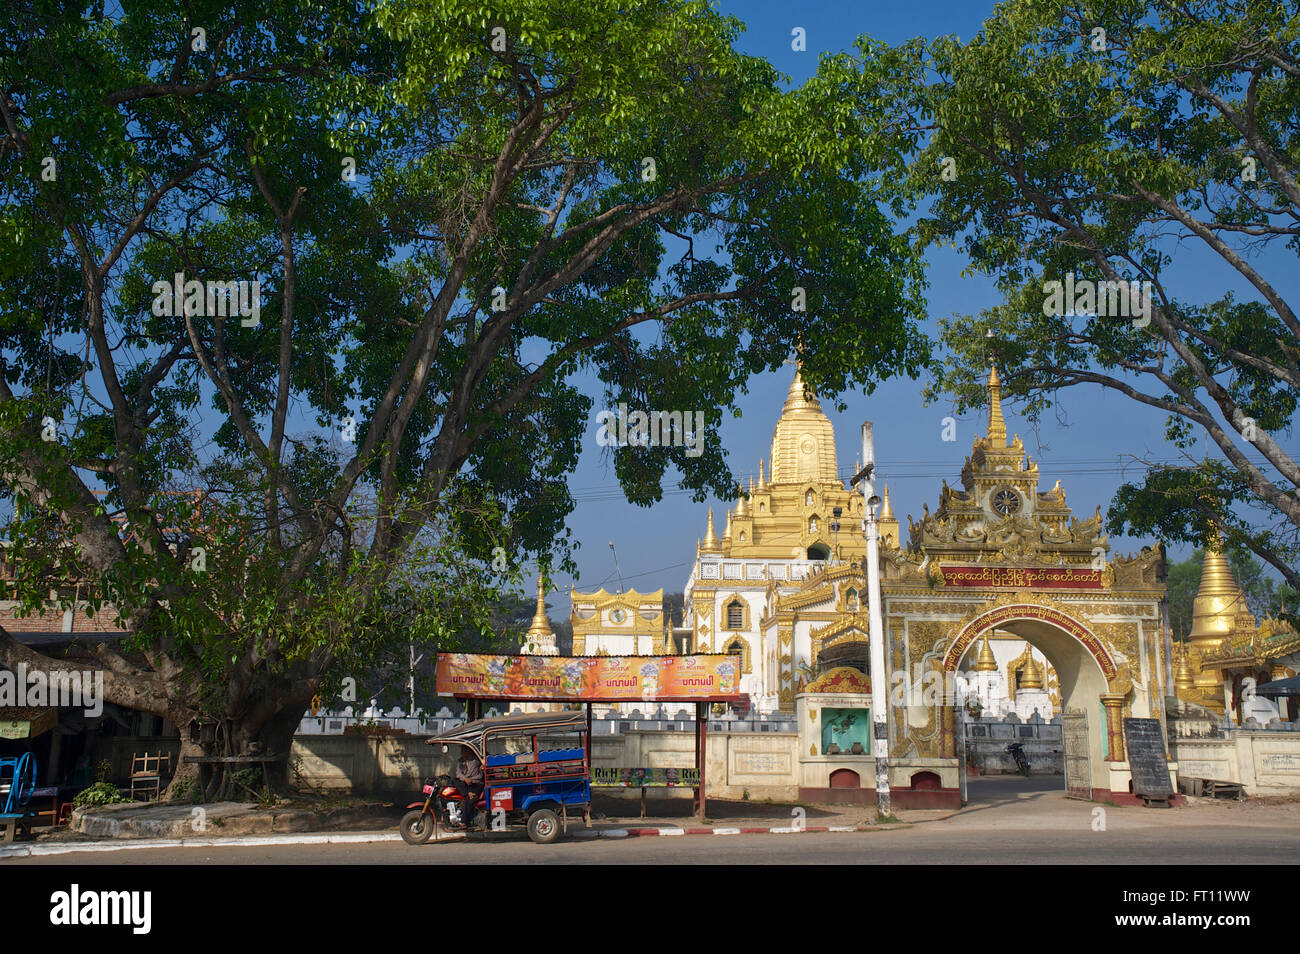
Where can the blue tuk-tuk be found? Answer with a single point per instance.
(536, 770)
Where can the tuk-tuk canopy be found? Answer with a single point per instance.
(471, 733)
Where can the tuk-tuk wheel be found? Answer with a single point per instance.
(543, 826)
(417, 827)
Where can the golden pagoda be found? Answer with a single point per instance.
(1033, 675)
(803, 444)
(787, 512)
(1218, 601)
(540, 640)
(1226, 642)
(987, 662)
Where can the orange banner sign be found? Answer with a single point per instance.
(1033, 578)
(703, 678)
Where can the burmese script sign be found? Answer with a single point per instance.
(701, 678)
(1145, 744)
(1032, 578)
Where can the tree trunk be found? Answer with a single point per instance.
(251, 780)
(185, 780)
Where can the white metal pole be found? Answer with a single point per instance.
(879, 680)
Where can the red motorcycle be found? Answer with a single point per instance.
(442, 803)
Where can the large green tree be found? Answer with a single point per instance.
(456, 213)
(1097, 142)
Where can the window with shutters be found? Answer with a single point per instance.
(735, 615)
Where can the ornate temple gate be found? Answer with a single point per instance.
(1096, 661)
(1078, 764)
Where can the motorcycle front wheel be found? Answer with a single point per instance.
(416, 827)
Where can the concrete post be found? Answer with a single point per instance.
(875, 628)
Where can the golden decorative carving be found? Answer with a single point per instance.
(785, 666)
(1121, 684)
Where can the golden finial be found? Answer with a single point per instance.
(726, 533)
(710, 537)
(997, 433)
(987, 662)
(886, 511)
(762, 481)
(742, 502)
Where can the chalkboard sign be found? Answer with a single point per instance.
(1146, 758)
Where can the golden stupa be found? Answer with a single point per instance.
(1226, 642)
(540, 640)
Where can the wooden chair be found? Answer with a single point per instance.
(147, 772)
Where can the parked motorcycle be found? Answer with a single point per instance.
(443, 801)
(1017, 752)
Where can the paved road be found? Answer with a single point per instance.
(1008, 821)
(934, 845)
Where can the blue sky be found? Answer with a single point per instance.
(1089, 443)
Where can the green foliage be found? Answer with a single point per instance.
(1103, 157)
(184, 791)
(101, 793)
(256, 556)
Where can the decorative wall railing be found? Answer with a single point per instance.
(603, 724)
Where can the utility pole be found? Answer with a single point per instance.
(876, 636)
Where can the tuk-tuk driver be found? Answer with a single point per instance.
(469, 782)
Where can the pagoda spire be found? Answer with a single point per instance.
(1032, 676)
(540, 640)
(997, 432)
(987, 661)
(1218, 601)
(710, 535)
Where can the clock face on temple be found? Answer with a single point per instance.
(1005, 501)
(618, 615)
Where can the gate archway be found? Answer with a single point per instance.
(1088, 675)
